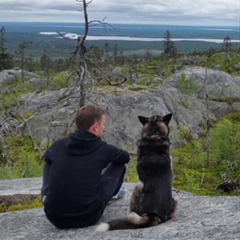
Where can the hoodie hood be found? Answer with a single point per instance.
(82, 143)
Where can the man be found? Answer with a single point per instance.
(75, 188)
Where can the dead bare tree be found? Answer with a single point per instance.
(81, 50)
(83, 75)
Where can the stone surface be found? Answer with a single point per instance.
(20, 186)
(52, 112)
(198, 218)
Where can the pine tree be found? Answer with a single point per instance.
(6, 59)
(170, 49)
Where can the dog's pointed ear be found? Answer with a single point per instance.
(167, 118)
(143, 120)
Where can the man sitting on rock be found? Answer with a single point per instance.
(82, 173)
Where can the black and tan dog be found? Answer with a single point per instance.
(151, 202)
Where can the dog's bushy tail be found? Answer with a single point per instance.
(132, 221)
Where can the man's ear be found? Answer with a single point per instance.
(96, 125)
(143, 120)
(167, 118)
(93, 128)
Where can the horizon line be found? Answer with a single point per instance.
(148, 24)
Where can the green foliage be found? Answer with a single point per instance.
(35, 203)
(192, 182)
(190, 162)
(191, 154)
(9, 100)
(157, 66)
(6, 59)
(3, 207)
(184, 135)
(225, 62)
(150, 67)
(222, 146)
(95, 53)
(225, 150)
(234, 117)
(62, 80)
(131, 174)
(27, 204)
(187, 85)
(24, 159)
(13, 92)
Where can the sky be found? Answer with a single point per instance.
(170, 12)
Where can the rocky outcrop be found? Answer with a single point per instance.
(221, 86)
(12, 75)
(198, 218)
(55, 110)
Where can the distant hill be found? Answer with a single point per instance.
(137, 38)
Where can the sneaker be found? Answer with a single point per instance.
(118, 196)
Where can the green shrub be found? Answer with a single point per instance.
(191, 171)
(13, 92)
(9, 100)
(131, 175)
(62, 80)
(25, 161)
(222, 146)
(225, 150)
(187, 85)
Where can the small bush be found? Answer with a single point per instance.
(131, 175)
(187, 85)
(24, 161)
(62, 80)
(9, 100)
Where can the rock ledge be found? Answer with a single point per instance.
(198, 217)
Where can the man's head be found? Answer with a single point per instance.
(91, 118)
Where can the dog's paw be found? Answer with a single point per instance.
(174, 207)
(102, 227)
(156, 221)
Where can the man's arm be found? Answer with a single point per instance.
(117, 155)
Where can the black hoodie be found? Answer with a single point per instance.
(72, 173)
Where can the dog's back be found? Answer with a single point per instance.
(153, 159)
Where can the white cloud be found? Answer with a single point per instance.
(189, 12)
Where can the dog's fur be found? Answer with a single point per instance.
(151, 202)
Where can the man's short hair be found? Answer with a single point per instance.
(87, 116)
